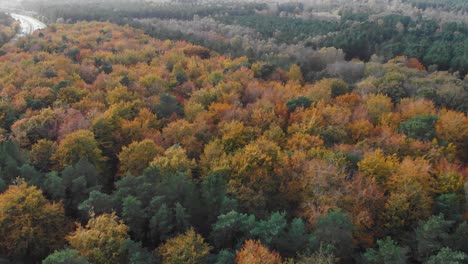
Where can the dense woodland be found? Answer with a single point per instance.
(165, 151)
(437, 42)
(119, 147)
(459, 5)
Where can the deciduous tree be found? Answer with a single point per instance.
(189, 248)
(101, 240)
(31, 226)
(78, 145)
(253, 252)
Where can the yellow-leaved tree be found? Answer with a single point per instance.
(30, 226)
(101, 240)
(78, 145)
(136, 157)
(188, 248)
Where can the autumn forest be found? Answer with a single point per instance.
(235, 133)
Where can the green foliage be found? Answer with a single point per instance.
(449, 206)
(73, 185)
(295, 240)
(65, 256)
(388, 252)
(225, 257)
(263, 70)
(134, 253)
(339, 88)
(97, 203)
(134, 216)
(448, 256)
(214, 194)
(284, 29)
(335, 229)
(431, 236)
(300, 101)
(11, 159)
(168, 105)
(267, 230)
(419, 127)
(457, 240)
(73, 54)
(231, 229)
(162, 204)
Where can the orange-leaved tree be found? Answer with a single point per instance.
(253, 252)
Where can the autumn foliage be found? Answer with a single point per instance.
(254, 252)
(166, 151)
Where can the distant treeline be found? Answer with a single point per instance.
(359, 33)
(448, 5)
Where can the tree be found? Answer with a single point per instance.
(41, 154)
(449, 206)
(225, 257)
(214, 197)
(252, 180)
(458, 237)
(300, 101)
(173, 161)
(168, 105)
(336, 229)
(321, 256)
(97, 202)
(73, 185)
(420, 127)
(231, 229)
(392, 86)
(134, 215)
(446, 255)
(378, 166)
(101, 240)
(439, 54)
(361, 129)
(376, 105)
(136, 157)
(388, 252)
(272, 228)
(338, 88)
(134, 253)
(253, 252)
(411, 190)
(295, 74)
(65, 256)
(30, 225)
(28, 131)
(188, 248)
(451, 126)
(431, 236)
(78, 145)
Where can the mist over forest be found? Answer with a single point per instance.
(233, 132)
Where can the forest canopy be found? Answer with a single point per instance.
(289, 136)
(161, 145)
